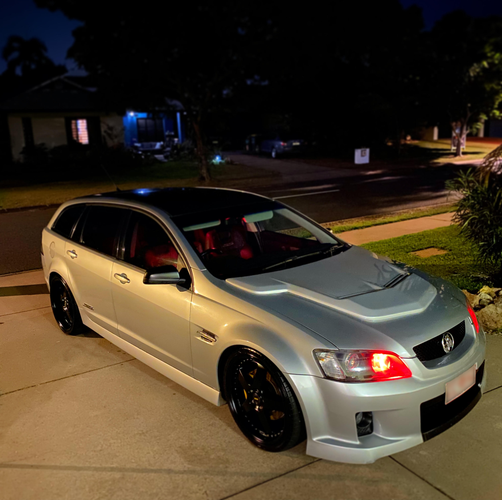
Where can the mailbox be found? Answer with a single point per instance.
(362, 156)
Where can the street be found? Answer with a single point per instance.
(324, 194)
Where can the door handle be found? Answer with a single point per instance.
(122, 278)
(72, 254)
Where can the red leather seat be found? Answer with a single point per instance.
(230, 242)
(161, 255)
(211, 240)
(199, 240)
(238, 238)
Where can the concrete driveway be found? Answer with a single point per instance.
(80, 419)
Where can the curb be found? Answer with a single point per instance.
(387, 214)
(15, 273)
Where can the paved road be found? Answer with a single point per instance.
(325, 194)
(330, 194)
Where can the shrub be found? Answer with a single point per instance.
(35, 156)
(479, 212)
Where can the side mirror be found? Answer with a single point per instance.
(163, 275)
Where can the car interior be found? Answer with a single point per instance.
(149, 245)
(235, 237)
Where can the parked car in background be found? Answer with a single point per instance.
(253, 143)
(162, 151)
(245, 301)
(280, 145)
(150, 149)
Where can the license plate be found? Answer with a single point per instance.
(461, 384)
(296, 143)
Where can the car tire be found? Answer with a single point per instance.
(64, 307)
(274, 153)
(262, 402)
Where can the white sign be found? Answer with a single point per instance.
(362, 156)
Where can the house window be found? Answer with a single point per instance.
(150, 129)
(79, 131)
(29, 142)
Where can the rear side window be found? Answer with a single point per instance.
(67, 220)
(102, 228)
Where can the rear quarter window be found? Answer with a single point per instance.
(67, 219)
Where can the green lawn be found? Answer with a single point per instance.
(377, 220)
(21, 192)
(440, 151)
(459, 265)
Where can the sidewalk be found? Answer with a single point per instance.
(395, 229)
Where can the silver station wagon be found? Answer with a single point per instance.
(245, 301)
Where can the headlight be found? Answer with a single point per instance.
(361, 366)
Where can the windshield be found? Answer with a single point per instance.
(240, 241)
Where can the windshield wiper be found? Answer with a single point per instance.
(336, 248)
(330, 250)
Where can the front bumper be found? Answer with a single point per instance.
(405, 412)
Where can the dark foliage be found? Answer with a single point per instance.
(70, 162)
(479, 211)
(463, 84)
(340, 77)
(27, 65)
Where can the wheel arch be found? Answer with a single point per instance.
(283, 356)
(225, 355)
(53, 275)
(293, 390)
(57, 267)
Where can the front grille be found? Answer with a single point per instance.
(436, 416)
(433, 348)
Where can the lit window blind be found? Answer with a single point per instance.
(79, 131)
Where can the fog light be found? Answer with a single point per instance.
(364, 423)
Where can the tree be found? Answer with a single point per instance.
(27, 65)
(465, 75)
(197, 53)
(346, 75)
(479, 210)
(25, 55)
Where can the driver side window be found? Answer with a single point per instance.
(148, 246)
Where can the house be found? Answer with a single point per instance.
(67, 110)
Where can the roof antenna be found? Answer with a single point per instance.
(109, 177)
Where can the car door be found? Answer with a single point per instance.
(153, 317)
(266, 145)
(90, 258)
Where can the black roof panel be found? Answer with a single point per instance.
(181, 201)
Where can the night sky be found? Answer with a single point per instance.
(435, 9)
(22, 17)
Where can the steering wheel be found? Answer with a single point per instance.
(211, 250)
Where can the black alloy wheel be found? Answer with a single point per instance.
(64, 308)
(262, 402)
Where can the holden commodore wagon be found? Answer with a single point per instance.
(245, 301)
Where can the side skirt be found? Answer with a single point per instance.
(202, 390)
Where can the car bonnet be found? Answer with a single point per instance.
(356, 300)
